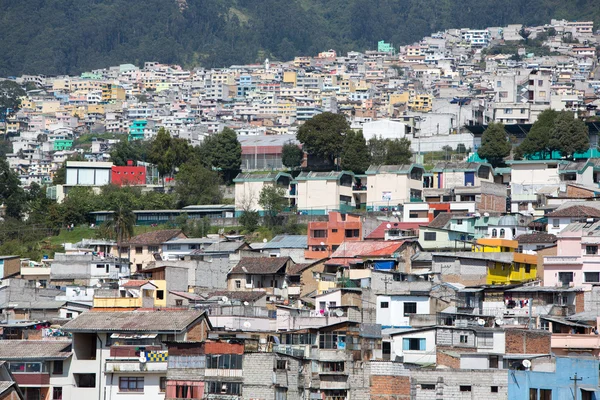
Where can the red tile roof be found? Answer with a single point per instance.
(379, 232)
(134, 283)
(366, 249)
(576, 211)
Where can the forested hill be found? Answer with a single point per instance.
(69, 36)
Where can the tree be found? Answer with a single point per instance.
(250, 220)
(537, 140)
(355, 153)
(461, 148)
(525, 33)
(196, 184)
(122, 224)
(378, 150)
(494, 144)
(227, 154)
(125, 150)
(12, 194)
(159, 154)
(398, 152)
(569, 135)
(10, 98)
(291, 155)
(272, 200)
(447, 152)
(323, 135)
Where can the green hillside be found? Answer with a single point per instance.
(69, 36)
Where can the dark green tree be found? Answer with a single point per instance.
(227, 154)
(272, 200)
(378, 150)
(159, 153)
(196, 184)
(10, 94)
(291, 155)
(249, 220)
(122, 224)
(494, 144)
(537, 140)
(355, 153)
(569, 135)
(461, 148)
(125, 150)
(398, 152)
(323, 135)
(12, 194)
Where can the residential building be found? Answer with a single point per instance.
(324, 237)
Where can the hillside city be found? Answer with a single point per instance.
(409, 222)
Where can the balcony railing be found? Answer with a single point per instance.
(294, 350)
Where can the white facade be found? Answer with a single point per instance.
(415, 347)
(88, 173)
(394, 311)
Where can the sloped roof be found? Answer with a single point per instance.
(441, 220)
(260, 265)
(154, 237)
(575, 211)
(379, 232)
(287, 242)
(133, 321)
(366, 249)
(239, 295)
(35, 349)
(537, 237)
(135, 283)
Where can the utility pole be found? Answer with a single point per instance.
(575, 380)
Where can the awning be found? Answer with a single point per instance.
(590, 389)
(565, 322)
(133, 336)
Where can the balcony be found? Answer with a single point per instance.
(559, 260)
(339, 382)
(569, 341)
(35, 271)
(294, 350)
(132, 352)
(359, 188)
(223, 373)
(32, 379)
(119, 366)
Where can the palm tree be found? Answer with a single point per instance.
(122, 224)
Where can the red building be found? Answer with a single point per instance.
(128, 175)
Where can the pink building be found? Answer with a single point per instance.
(577, 262)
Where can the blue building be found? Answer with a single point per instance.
(557, 384)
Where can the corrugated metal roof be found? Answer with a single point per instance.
(287, 242)
(35, 349)
(133, 321)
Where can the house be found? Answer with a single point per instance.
(9, 388)
(293, 246)
(391, 230)
(413, 346)
(391, 185)
(167, 278)
(129, 346)
(9, 266)
(571, 211)
(577, 261)
(324, 237)
(448, 175)
(128, 175)
(317, 193)
(395, 311)
(41, 368)
(530, 243)
(262, 273)
(447, 231)
(143, 247)
(130, 295)
(248, 187)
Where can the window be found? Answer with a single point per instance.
(494, 389)
(427, 386)
(527, 268)
(69, 315)
(131, 384)
(139, 250)
(162, 384)
(410, 308)
(334, 230)
(57, 367)
(542, 93)
(565, 278)
(417, 344)
(556, 223)
(160, 295)
(384, 304)
(280, 393)
(57, 393)
(85, 380)
(545, 394)
(281, 364)
(238, 284)
(152, 249)
(231, 388)
(503, 95)
(352, 233)
(332, 340)
(179, 302)
(508, 111)
(332, 366)
(319, 233)
(459, 222)
(540, 82)
(502, 233)
(498, 83)
(523, 110)
(464, 338)
(494, 233)
(173, 247)
(185, 391)
(493, 362)
(589, 250)
(224, 361)
(430, 236)
(465, 388)
(592, 276)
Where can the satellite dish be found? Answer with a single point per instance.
(265, 240)
(143, 358)
(246, 303)
(98, 285)
(388, 226)
(481, 322)
(499, 322)
(224, 299)
(339, 313)
(247, 324)
(486, 214)
(526, 364)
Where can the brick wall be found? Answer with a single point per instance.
(449, 356)
(520, 341)
(198, 332)
(577, 192)
(390, 387)
(579, 302)
(493, 203)
(225, 348)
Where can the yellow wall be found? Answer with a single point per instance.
(118, 302)
(289, 77)
(160, 285)
(495, 245)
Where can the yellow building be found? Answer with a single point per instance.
(509, 266)
(131, 295)
(421, 103)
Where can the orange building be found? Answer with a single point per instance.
(324, 237)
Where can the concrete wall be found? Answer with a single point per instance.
(448, 384)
